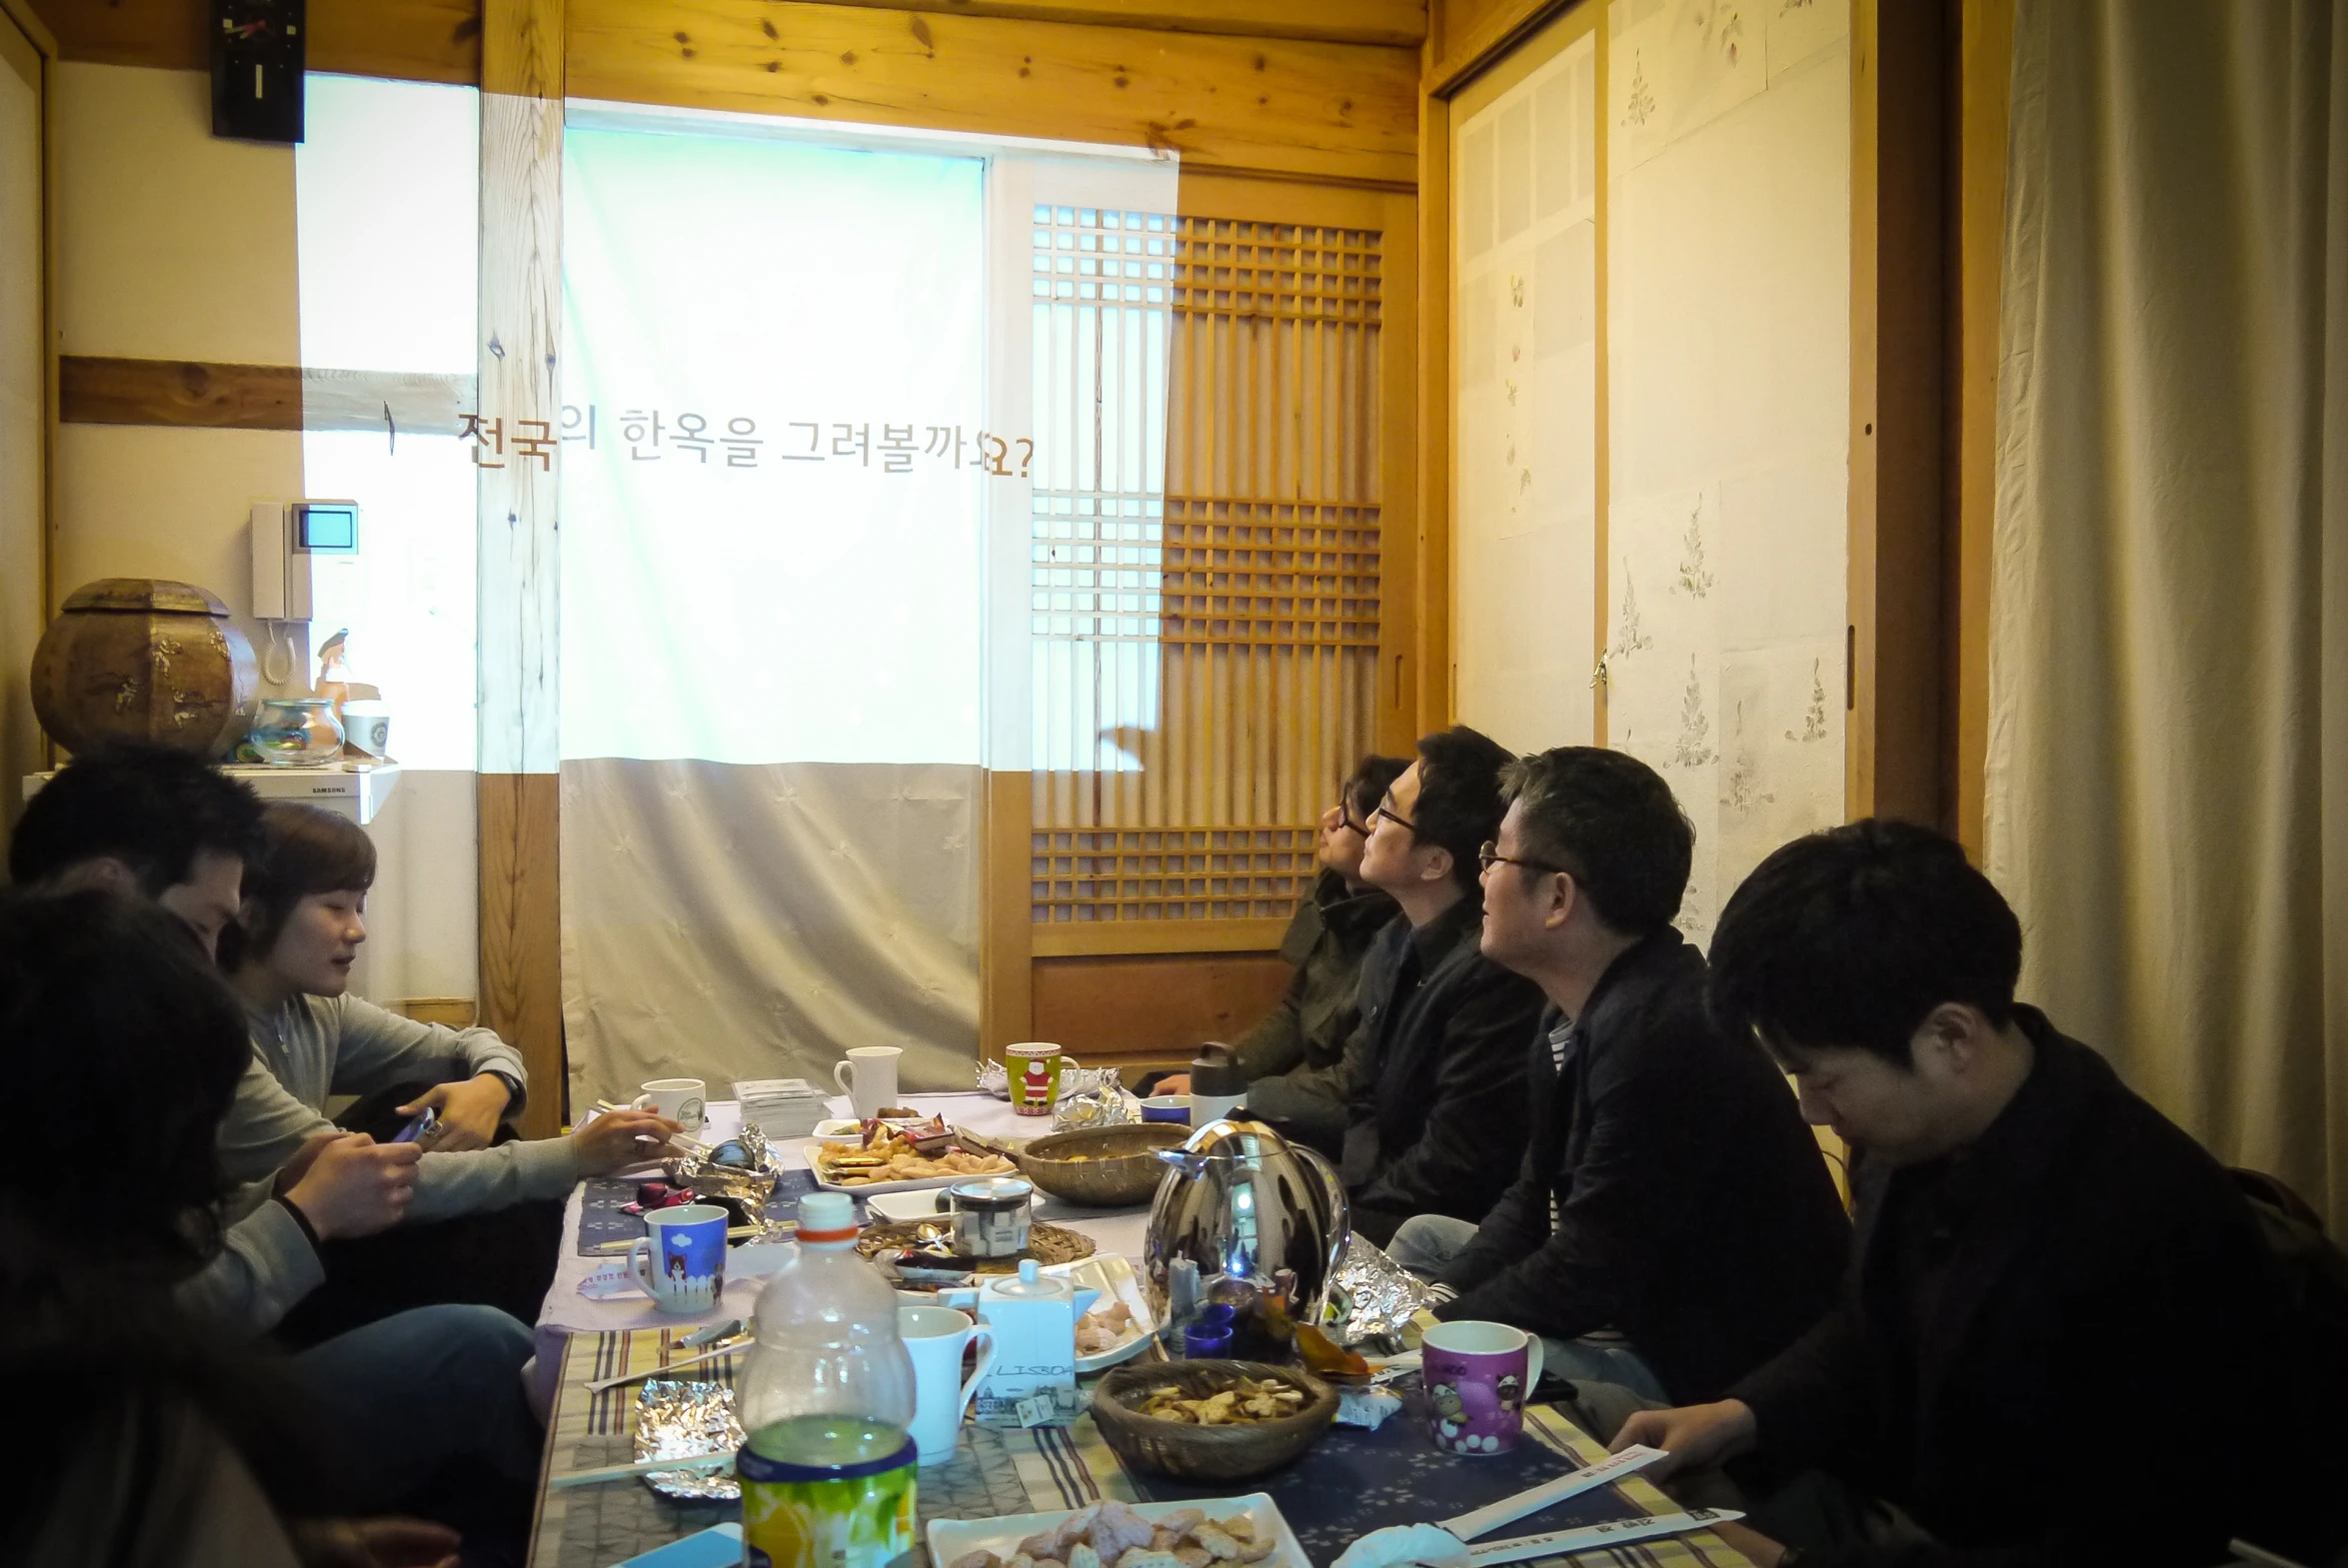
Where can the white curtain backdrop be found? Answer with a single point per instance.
(2168, 760)
(774, 383)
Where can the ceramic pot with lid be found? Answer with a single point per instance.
(141, 659)
(1246, 1205)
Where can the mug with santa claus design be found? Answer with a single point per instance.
(1034, 1068)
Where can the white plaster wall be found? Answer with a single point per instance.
(1728, 312)
(174, 245)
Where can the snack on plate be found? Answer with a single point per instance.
(1114, 1535)
(919, 1154)
(1104, 1328)
(1248, 1399)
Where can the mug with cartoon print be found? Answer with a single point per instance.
(1477, 1378)
(680, 1261)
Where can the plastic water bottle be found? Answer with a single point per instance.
(827, 1402)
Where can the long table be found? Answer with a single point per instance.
(999, 1473)
(995, 1472)
(567, 1312)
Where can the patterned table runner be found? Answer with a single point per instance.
(1348, 1484)
(600, 1219)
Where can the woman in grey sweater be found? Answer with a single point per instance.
(483, 1220)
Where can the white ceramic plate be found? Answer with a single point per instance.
(953, 1538)
(904, 1207)
(867, 1189)
(1114, 1279)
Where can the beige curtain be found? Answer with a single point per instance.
(729, 921)
(2168, 756)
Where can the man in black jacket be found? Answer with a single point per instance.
(2062, 1339)
(1437, 1115)
(1294, 1056)
(1674, 1224)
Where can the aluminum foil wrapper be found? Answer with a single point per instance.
(676, 1420)
(743, 1168)
(993, 1079)
(1103, 1105)
(1371, 1295)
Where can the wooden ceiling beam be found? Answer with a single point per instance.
(1309, 110)
(440, 40)
(416, 40)
(1398, 24)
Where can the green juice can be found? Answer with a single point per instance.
(826, 1491)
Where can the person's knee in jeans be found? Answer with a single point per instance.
(1425, 1244)
(426, 1388)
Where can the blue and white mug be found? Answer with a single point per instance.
(680, 1261)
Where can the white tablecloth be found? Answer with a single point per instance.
(567, 1311)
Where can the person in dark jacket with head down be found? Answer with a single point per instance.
(2062, 1339)
(1674, 1224)
(1294, 1056)
(1437, 1113)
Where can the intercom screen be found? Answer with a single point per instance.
(327, 527)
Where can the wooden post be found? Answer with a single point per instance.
(520, 569)
(1894, 686)
(1985, 51)
(1430, 585)
(1006, 973)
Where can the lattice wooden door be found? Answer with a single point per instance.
(1236, 614)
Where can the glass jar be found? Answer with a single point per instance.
(296, 732)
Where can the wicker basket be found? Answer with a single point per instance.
(1120, 1167)
(1207, 1453)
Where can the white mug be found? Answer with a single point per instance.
(367, 726)
(680, 1260)
(869, 1079)
(679, 1099)
(935, 1336)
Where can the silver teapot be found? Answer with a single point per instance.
(1245, 1204)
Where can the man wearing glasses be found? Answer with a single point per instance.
(1295, 1057)
(1436, 1112)
(1672, 1226)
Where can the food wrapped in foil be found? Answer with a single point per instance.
(993, 1080)
(1371, 1296)
(1100, 1103)
(678, 1420)
(743, 1168)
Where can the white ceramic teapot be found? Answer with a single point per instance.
(1033, 1317)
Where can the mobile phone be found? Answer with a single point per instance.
(426, 1120)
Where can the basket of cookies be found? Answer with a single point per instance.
(1210, 1420)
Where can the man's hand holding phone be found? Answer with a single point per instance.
(355, 1186)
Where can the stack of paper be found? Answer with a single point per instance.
(781, 1107)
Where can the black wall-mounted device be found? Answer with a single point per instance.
(257, 61)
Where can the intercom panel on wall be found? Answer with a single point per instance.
(288, 538)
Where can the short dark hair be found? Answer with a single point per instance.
(1370, 781)
(1459, 797)
(1611, 823)
(108, 1001)
(304, 850)
(1851, 936)
(151, 807)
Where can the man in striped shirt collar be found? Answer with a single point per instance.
(1672, 1226)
